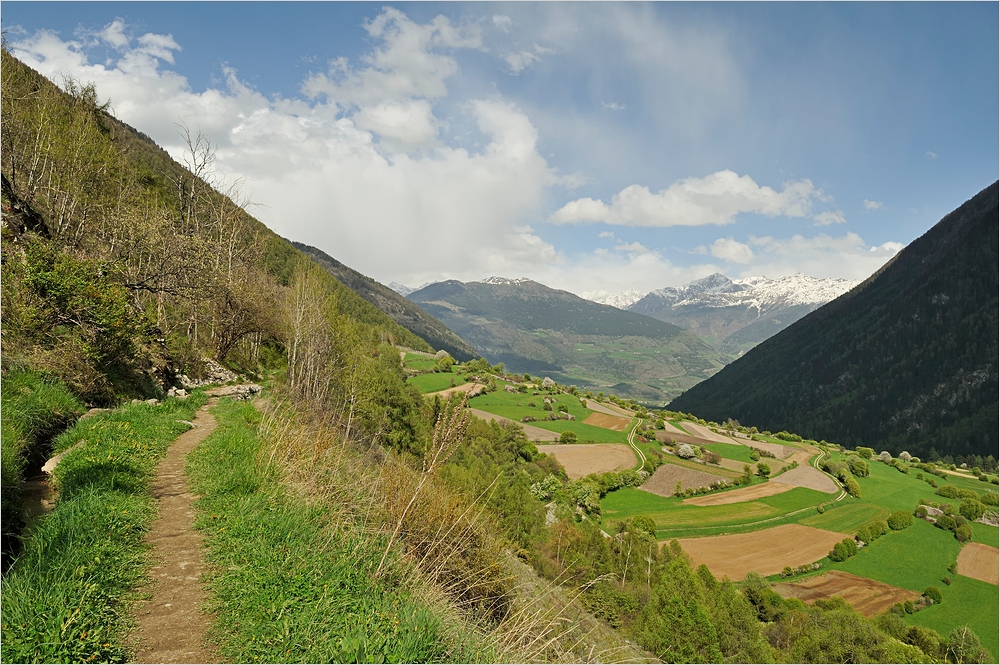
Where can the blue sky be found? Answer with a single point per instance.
(586, 145)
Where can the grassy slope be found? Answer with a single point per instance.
(431, 383)
(67, 596)
(515, 406)
(286, 587)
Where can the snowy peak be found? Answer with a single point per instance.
(797, 289)
(757, 292)
(504, 281)
(621, 300)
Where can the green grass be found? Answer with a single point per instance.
(914, 558)
(985, 534)
(431, 383)
(420, 362)
(846, 516)
(515, 406)
(674, 519)
(66, 598)
(732, 451)
(287, 586)
(966, 602)
(32, 409)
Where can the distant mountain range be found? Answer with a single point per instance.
(402, 311)
(736, 315)
(533, 328)
(906, 360)
(621, 299)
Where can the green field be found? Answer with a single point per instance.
(435, 381)
(515, 406)
(731, 451)
(419, 362)
(966, 602)
(676, 520)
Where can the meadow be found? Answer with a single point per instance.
(517, 405)
(435, 381)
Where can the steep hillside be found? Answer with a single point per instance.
(907, 360)
(532, 328)
(401, 310)
(736, 315)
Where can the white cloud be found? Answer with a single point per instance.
(872, 205)
(613, 106)
(846, 256)
(732, 251)
(406, 65)
(502, 23)
(632, 249)
(931, 155)
(890, 246)
(318, 170)
(605, 234)
(518, 62)
(829, 217)
(714, 199)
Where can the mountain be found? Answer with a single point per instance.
(533, 328)
(906, 360)
(401, 310)
(736, 315)
(402, 289)
(621, 299)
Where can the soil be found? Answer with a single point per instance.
(616, 423)
(171, 626)
(472, 388)
(609, 409)
(582, 459)
(703, 432)
(767, 551)
(806, 476)
(866, 596)
(664, 480)
(740, 495)
(979, 562)
(533, 433)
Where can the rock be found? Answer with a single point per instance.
(440, 354)
(152, 401)
(548, 383)
(214, 373)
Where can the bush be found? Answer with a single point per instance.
(971, 509)
(934, 594)
(645, 524)
(989, 498)
(860, 468)
(963, 533)
(567, 437)
(686, 451)
(946, 580)
(852, 487)
(763, 470)
(787, 571)
(754, 455)
(945, 522)
(948, 491)
(920, 512)
(866, 453)
(899, 520)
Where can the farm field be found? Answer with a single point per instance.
(731, 451)
(866, 596)
(533, 433)
(432, 383)
(516, 405)
(664, 480)
(766, 551)
(979, 562)
(580, 460)
(739, 495)
(806, 476)
(967, 602)
(707, 468)
(616, 423)
(675, 520)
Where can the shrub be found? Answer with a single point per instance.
(899, 520)
(963, 533)
(686, 451)
(645, 524)
(884, 456)
(860, 468)
(948, 491)
(763, 470)
(852, 487)
(866, 453)
(787, 571)
(971, 509)
(934, 594)
(754, 455)
(946, 580)
(945, 522)
(838, 553)
(988, 498)
(567, 437)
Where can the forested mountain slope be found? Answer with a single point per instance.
(906, 360)
(533, 328)
(402, 311)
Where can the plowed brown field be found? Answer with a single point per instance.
(806, 476)
(979, 562)
(740, 495)
(766, 551)
(704, 433)
(582, 459)
(533, 433)
(616, 423)
(866, 596)
(664, 480)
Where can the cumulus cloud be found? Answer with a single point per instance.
(408, 216)
(518, 62)
(846, 256)
(732, 251)
(931, 155)
(829, 217)
(872, 205)
(714, 199)
(613, 106)
(502, 23)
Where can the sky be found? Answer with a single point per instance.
(589, 146)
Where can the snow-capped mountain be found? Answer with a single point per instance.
(621, 299)
(403, 289)
(735, 315)
(504, 281)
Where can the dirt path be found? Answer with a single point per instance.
(171, 628)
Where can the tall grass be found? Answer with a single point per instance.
(66, 598)
(448, 555)
(32, 410)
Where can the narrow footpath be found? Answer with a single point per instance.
(171, 626)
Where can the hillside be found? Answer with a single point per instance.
(401, 310)
(736, 315)
(907, 360)
(532, 328)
